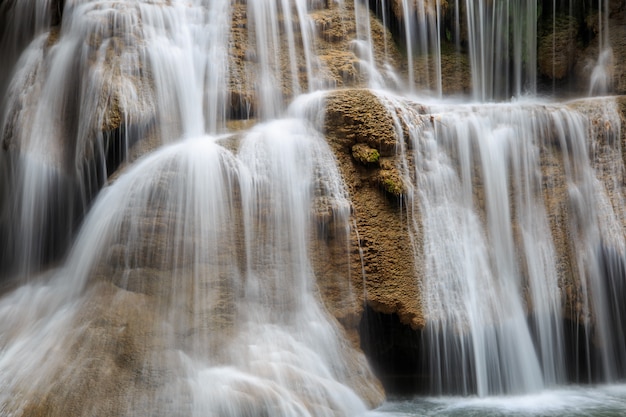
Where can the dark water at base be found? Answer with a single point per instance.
(604, 401)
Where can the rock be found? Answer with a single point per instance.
(390, 179)
(357, 116)
(456, 73)
(112, 358)
(342, 68)
(242, 100)
(385, 272)
(556, 51)
(364, 154)
(341, 60)
(198, 284)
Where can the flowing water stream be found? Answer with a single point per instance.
(184, 283)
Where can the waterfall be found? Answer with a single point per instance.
(493, 27)
(217, 242)
(192, 269)
(493, 283)
(180, 212)
(472, 285)
(600, 82)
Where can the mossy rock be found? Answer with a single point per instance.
(390, 179)
(364, 154)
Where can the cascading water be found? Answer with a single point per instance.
(472, 287)
(494, 283)
(217, 243)
(502, 48)
(53, 109)
(491, 286)
(188, 282)
(192, 270)
(600, 82)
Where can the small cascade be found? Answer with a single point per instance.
(21, 22)
(421, 36)
(133, 62)
(62, 113)
(500, 38)
(424, 26)
(601, 76)
(173, 36)
(502, 48)
(493, 285)
(213, 248)
(473, 282)
(596, 226)
(363, 45)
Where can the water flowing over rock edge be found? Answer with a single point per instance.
(388, 288)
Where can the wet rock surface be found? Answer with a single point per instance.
(383, 267)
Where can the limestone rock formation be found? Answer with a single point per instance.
(358, 119)
(341, 59)
(383, 264)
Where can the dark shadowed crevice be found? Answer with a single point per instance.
(394, 352)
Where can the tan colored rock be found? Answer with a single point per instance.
(364, 154)
(384, 270)
(455, 70)
(564, 224)
(342, 68)
(390, 179)
(336, 30)
(357, 116)
(113, 356)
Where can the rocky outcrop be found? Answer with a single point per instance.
(567, 43)
(342, 59)
(384, 271)
(335, 60)
(572, 45)
(358, 125)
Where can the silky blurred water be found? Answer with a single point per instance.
(605, 401)
(211, 232)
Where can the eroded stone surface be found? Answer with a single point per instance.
(382, 259)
